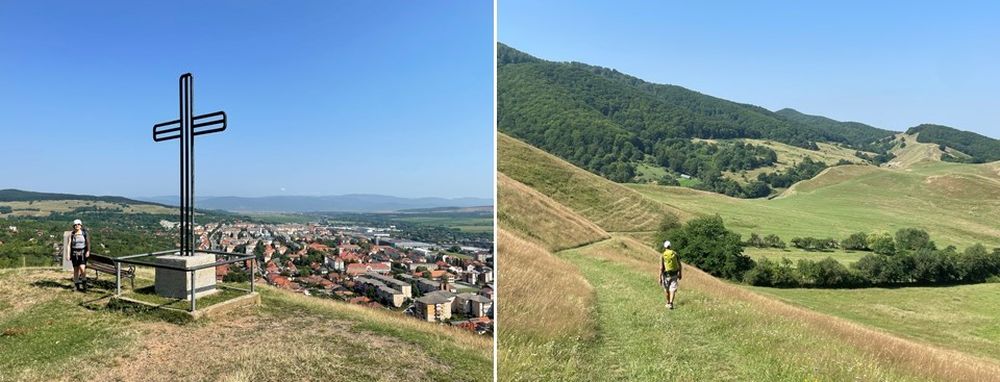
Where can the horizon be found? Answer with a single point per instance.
(321, 98)
(821, 60)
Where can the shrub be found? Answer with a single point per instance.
(774, 241)
(881, 243)
(912, 239)
(826, 273)
(857, 241)
(707, 244)
(770, 273)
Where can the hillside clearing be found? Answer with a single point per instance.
(44, 208)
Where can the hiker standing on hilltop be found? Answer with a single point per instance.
(670, 273)
(79, 251)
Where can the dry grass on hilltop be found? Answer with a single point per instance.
(541, 219)
(611, 206)
(546, 296)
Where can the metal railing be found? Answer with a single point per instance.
(189, 271)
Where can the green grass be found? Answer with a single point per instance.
(963, 317)
(705, 338)
(794, 254)
(148, 295)
(956, 203)
(646, 172)
(462, 223)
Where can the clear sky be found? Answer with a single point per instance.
(323, 97)
(894, 65)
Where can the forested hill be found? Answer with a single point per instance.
(980, 148)
(855, 134)
(13, 195)
(606, 121)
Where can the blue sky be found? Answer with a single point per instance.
(323, 97)
(893, 65)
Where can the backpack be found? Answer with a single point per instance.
(671, 264)
(86, 239)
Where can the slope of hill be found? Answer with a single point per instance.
(611, 206)
(980, 148)
(956, 203)
(13, 195)
(58, 334)
(854, 133)
(789, 155)
(539, 218)
(604, 121)
(723, 331)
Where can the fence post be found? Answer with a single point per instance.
(191, 273)
(118, 279)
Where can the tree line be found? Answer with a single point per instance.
(909, 257)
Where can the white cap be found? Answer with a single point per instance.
(666, 244)
(77, 221)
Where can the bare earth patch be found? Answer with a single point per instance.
(248, 347)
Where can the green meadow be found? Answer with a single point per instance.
(958, 204)
(963, 317)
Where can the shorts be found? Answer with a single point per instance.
(77, 258)
(670, 282)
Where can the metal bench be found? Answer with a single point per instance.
(104, 264)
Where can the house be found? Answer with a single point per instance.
(429, 266)
(472, 304)
(399, 285)
(335, 263)
(362, 268)
(432, 307)
(379, 289)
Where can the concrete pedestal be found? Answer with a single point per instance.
(177, 284)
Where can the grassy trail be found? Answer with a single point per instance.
(723, 332)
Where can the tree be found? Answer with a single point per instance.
(881, 243)
(857, 241)
(706, 243)
(774, 241)
(912, 239)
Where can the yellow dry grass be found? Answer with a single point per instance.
(542, 295)
(541, 219)
(47, 207)
(609, 205)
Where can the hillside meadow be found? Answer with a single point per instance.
(956, 203)
(738, 332)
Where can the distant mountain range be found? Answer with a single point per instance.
(340, 203)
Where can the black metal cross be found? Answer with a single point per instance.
(186, 128)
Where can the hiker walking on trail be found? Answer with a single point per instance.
(79, 251)
(670, 273)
